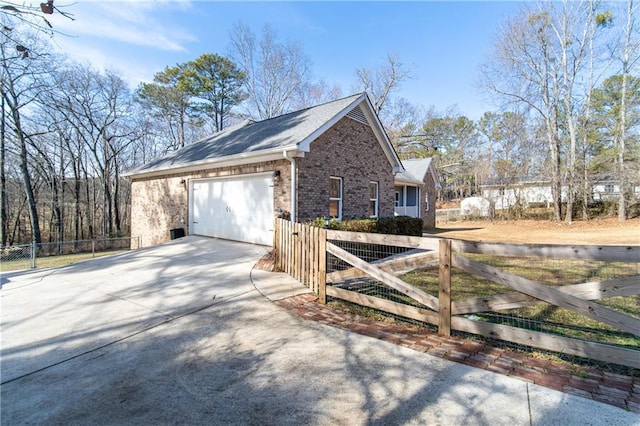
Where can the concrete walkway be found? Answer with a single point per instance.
(179, 334)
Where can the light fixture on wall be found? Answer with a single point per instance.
(276, 177)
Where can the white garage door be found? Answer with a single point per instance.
(237, 208)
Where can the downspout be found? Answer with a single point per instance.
(294, 184)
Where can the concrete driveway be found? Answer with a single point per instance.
(179, 334)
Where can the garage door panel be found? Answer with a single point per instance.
(238, 208)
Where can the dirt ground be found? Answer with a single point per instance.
(597, 231)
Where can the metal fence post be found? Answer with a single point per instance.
(33, 255)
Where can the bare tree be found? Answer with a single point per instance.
(315, 93)
(381, 82)
(276, 72)
(98, 108)
(27, 16)
(629, 56)
(403, 125)
(537, 62)
(20, 83)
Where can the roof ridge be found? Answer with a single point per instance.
(354, 96)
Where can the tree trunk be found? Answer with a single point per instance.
(4, 220)
(26, 180)
(622, 207)
(116, 200)
(626, 67)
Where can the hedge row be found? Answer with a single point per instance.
(397, 225)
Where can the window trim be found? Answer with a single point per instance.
(376, 199)
(338, 199)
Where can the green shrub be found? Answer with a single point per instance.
(399, 225)
(409, 225)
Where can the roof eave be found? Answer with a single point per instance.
(407, 182)
(215, 163)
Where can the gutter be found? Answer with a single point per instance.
(294, 184)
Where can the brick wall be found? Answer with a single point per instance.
(348, 150)
(159, 204)
(351, 151)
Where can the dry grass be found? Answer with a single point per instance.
(53, 261)
(608, 231)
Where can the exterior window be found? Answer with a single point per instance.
(412, 196)
(426, 202)
(397, 199)
(373, 199)
(335, 197)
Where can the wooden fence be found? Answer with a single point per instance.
(303, 252)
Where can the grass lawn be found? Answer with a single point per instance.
(53, 261)
(552, 272)
(542, 317)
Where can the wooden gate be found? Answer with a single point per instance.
(305, 252)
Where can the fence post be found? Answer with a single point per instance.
(93, 248)
(276, 242)
(444, 293)
(322, 266)
(33, 253)
(139, 241)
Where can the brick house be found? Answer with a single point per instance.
(416, 190)
(333, 159)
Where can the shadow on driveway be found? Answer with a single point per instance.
(235, 359)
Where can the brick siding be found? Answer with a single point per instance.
(348, 150)
(159, 204)
(351, 151)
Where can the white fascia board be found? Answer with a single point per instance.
(407, 181)
(229, 161)
(382, 137)
(305, 145)
(434, 175)
(377, 128)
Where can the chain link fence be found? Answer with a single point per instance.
(45, 255)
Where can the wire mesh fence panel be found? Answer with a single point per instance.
(589, 280)
(62, 252)
(15, 257)
(584, 279)
(362, 283)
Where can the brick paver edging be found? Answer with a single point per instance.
(614, 389)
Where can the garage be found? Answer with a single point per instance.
(238, 208)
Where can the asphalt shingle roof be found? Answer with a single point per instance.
(283, 132)
(415, 170)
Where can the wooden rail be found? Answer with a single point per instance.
(302, 251)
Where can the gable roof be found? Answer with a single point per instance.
(268, 139)
(416, 170)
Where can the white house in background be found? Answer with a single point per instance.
(609, 190)
(504, 196)
(526, 193)
(416, 189)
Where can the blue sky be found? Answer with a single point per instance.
(444, 42)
